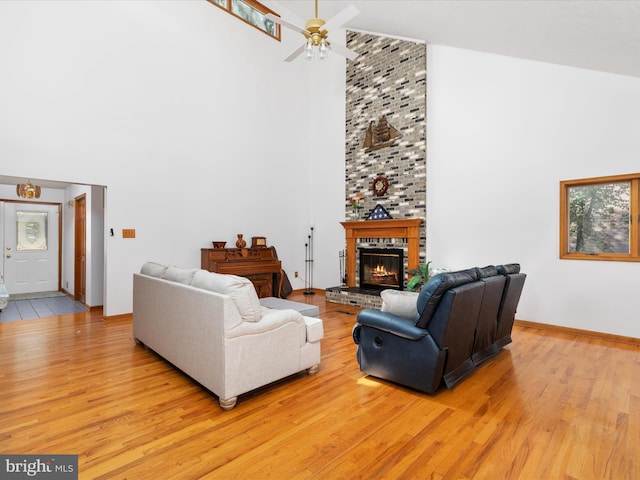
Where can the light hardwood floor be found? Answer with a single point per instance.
(552, 405)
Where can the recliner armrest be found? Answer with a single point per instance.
(391, 323)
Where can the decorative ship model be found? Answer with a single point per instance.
(380, 135)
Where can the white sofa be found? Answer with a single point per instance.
(213, 328)
(4, 296)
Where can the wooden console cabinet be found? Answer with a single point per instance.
(259, 265)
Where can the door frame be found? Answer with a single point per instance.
(80, 249)
(59, 205)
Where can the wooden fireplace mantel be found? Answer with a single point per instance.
(408, 228)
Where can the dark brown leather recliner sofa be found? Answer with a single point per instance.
(464, 318)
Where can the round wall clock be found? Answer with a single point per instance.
(379, 186)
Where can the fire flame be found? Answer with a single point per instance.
(380, 272)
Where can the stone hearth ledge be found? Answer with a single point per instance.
(354, 296)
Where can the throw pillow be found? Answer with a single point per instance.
(403, 304)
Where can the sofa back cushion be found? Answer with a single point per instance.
(179, 275)
(435, 288)
(240, 289)
(153, 269)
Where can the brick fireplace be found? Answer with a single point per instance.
(407, 230)
(402, 228)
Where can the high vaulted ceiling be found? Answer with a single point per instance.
(594, 34)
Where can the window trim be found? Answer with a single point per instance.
(634, 213)
(258, 6)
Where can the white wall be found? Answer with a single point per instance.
(95, 293)
(199, 132)
(95, 233)
(502, 134)
(188, 116)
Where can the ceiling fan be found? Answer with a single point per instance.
(316, 33)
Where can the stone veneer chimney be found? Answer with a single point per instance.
(389, 78)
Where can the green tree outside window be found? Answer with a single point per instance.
(599, 218)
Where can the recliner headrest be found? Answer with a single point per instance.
(434, 289)
(509, 268)
(488, 271)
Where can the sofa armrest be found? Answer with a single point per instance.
(391, 323)
(4, 296)
(271, 321)
(315, 329)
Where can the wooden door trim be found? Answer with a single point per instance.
(78, 275)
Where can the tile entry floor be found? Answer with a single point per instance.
(40, 307)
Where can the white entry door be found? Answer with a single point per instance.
(30, 247)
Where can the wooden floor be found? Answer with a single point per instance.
(550, 406)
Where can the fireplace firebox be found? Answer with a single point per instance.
(381, 268)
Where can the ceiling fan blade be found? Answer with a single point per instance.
(342, 50)
(284, 23)
(298, 51)
(339, 19)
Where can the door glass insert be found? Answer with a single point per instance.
(31, 231)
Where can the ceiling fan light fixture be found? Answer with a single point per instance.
(316, 48)
(309, 50)
(316, 33)
(323, 50)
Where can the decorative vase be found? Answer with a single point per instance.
(219, 244)
(241, 243)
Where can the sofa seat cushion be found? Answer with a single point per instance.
(305, 309)
(240, 289)
(400, 303)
